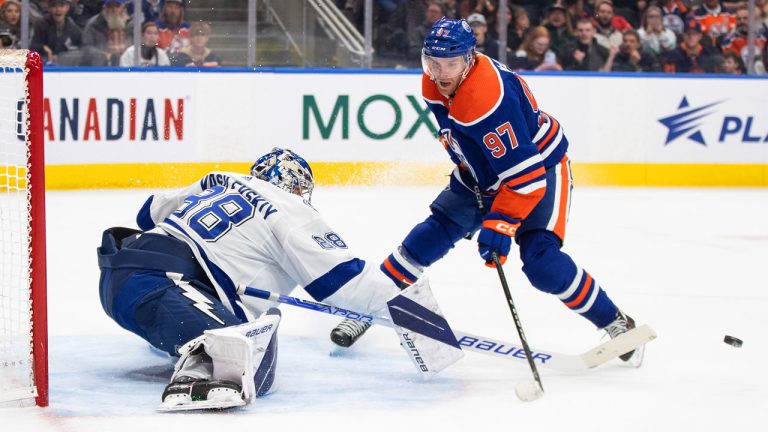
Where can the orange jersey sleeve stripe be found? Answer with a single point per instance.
(525, 178)
(551, 135)
(515, 204)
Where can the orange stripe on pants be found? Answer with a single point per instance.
(565, 193)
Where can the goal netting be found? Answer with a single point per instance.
(23, 326)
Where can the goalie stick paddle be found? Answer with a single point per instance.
(487, 346)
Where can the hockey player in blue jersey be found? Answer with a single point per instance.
(175, 283)
(512, 155)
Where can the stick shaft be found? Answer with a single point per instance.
(516, 319)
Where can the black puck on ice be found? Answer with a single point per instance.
(733, 341)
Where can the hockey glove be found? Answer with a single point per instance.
(496, 236)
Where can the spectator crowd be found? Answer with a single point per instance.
(689, 36)
(100, 33)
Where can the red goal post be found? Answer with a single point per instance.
(23, 308)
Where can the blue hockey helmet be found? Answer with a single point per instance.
(286, 170)
(449, 38)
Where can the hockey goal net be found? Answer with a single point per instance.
(23, 324)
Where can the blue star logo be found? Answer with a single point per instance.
(686, 122)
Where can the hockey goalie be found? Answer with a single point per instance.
(175, 281)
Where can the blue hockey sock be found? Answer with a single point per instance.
(551, 270)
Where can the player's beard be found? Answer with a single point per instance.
(116, 22)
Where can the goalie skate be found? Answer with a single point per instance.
(186, 393)
(348, 332)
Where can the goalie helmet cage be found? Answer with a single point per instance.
(23, 311)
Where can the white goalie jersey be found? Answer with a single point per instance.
(246, 231)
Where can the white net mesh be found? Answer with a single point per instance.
(16, 364)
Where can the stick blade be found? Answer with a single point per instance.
(529, 391)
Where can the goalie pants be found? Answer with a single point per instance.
(455, 215)
(152, 285)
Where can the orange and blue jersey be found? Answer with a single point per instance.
(494, 130)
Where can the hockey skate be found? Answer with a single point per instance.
(622, 323)
(348, 332)
(187, 393)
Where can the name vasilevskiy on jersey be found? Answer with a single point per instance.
(415, 353)
(258, 201)
(502, 349)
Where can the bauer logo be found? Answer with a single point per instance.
(714, 122)
(113, 119)
(502, 349)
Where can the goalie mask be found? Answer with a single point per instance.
(286, 170)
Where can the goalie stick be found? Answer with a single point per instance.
(592, 358)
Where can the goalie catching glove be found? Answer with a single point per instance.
(496, 236)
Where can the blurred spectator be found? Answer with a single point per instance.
(486, 8)
(732, 5)
(764, 13)
(691, 56)
(534, 53)
(632, 57)
(584, 53)
(197, 53)
(674, 13)
(732, 64)
(517, 28)
(37, 10)
(576, 11)
(761, 64)
(451, 8)
(558, 23)
(60, 41)
(714, 21)
(433, 12)
(10, 24)
(609, 26)
(535, 8)
(151, 55)
(486, 44)
(174, 30)
(81, 11)
(653, 35)
(110, 31)
(150, 9)
(736, 39)
(629, 10)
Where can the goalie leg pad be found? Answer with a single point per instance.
(246, 354)
(188, 393)
(424, 334)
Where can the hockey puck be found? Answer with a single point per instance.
(733, 341)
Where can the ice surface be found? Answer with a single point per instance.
(690, 262)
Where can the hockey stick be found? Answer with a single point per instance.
(526, 391)
(531, 390)
(492, 347)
